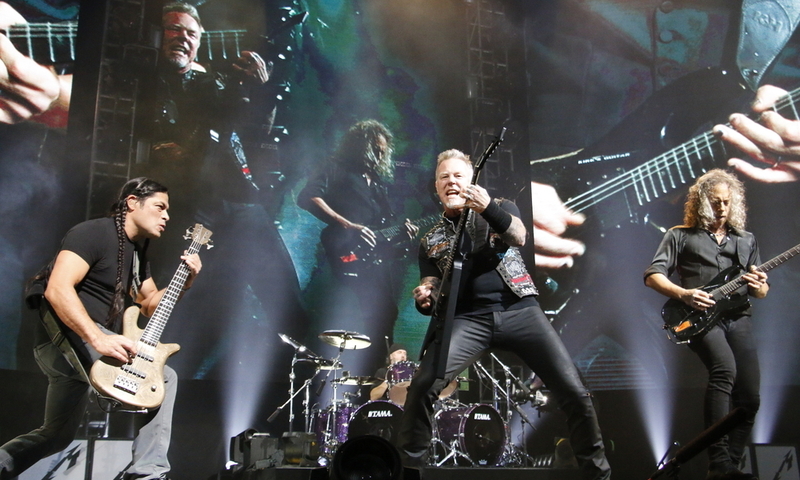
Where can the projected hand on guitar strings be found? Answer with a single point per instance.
(771, 139)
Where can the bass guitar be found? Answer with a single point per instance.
(140, 382)
(728, 289)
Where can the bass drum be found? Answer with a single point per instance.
(478, 431)
(379, 417)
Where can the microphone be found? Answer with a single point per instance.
(274, 415)
(297, 346)
(321, 386)
(292, 342)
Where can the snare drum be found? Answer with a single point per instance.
(399, 377)
(478, 431)
(380, 417)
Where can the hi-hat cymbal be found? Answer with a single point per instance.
(345, 340)
(363, 380)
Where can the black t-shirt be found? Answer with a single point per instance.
(95, 241)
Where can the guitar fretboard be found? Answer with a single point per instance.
(670, 170)
(155, 327)
(221, 45)
(53, 43)
(736, 283)
(389, 233)
(46, 43)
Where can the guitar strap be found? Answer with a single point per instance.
(60, 340)
(136, 273)
(765, 29)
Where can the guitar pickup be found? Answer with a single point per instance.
(133, 371)
(145, 357)
(683, 326)
(126, 384)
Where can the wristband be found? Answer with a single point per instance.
(497, 218)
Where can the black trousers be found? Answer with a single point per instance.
(729, 353)
(528, 333)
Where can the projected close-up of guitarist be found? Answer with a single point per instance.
(363, 239)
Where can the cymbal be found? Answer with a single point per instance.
(321, 363)
(363, 380)
(345, 340)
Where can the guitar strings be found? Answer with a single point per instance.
(694, 147)
(148, 340)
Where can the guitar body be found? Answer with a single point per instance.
(143, 387)
(684, 323)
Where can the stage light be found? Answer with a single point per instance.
(366, 457)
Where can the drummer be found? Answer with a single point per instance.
(397, 354)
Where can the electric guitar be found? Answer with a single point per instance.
(140, 382)
(349, 253)
(728, 289)
(440, 329)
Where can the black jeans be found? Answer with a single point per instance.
(528, 333)
(729, 353)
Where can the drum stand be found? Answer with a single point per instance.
(331, 429)
(453, 452)
(513, 454)
(293, 393)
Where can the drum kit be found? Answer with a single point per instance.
(464, 434)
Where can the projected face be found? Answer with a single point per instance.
(452, 176)
(181, 40)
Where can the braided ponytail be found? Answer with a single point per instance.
(141, 188)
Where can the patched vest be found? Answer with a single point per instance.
(511, 268)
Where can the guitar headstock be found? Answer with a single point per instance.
(199, 234)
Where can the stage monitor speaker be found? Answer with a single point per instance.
(108, 460)
(300, 448)
(772, 461)
(285, 473)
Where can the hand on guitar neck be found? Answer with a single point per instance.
(28, 90)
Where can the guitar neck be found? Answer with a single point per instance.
(155, 327)
(669, 171)
(221, 45)
(388, 233)
(45, 43)
(54, 43)
(765, 267)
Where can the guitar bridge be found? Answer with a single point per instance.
(126, 384)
